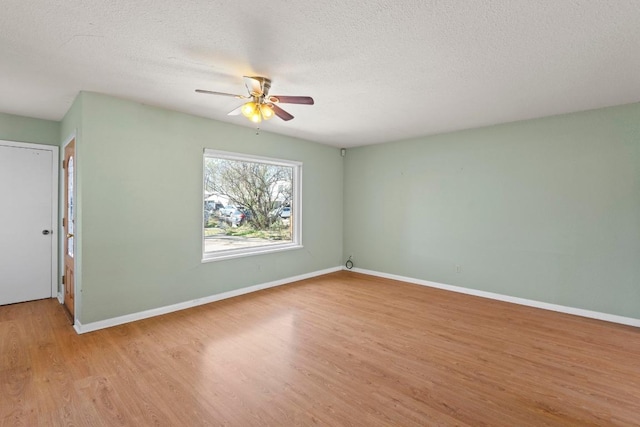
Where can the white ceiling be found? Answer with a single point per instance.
(379, 70)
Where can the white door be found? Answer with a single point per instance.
(27, 222)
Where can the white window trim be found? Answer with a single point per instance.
(296, 213)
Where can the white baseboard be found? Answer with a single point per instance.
(101, 324)
(60, 297)
(522, 301)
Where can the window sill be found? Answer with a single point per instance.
(239, 253)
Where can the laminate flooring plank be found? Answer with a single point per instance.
(340, 349)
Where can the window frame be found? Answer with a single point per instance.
(296, 201)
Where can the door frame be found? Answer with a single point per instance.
(55, 171)
(62, 238)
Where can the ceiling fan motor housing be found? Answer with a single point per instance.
(265, 85)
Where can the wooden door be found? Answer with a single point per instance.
(68, 222)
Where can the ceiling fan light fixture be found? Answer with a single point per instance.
(249, 109)
(256, 117)
(267, 111)
(262, 106)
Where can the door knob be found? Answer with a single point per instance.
(46, 232)
(69, 235)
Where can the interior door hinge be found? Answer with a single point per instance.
(64, 164)
(64, 222)
(63, 277)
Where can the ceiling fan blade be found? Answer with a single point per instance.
(254, 86)
(281, 113)
(210, 92)
(307, 100)
(235, 112)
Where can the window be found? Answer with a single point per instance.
(251, 205)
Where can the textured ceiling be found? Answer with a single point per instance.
(379, 70)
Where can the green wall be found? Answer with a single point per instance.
(544, 209)
(26, 129)
(140, 204)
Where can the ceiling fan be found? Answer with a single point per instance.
(262, 106)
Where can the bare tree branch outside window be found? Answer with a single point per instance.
(257, 187)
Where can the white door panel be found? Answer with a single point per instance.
(26, 210)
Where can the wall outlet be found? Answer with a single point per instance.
(349, 263)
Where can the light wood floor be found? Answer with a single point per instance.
(341, 349)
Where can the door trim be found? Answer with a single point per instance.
(76, 267)
(55, 170)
